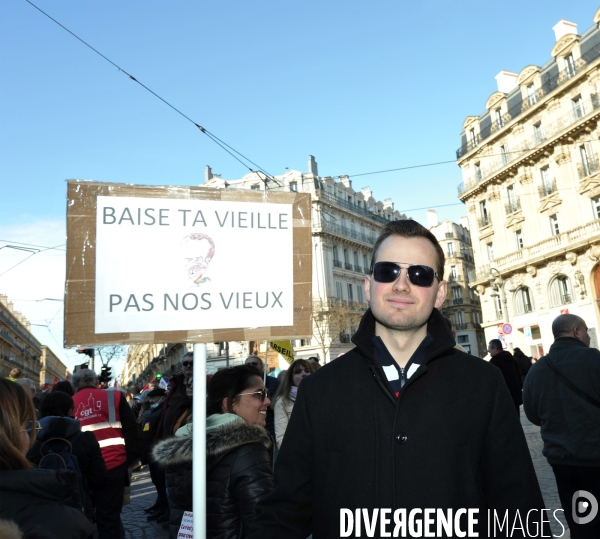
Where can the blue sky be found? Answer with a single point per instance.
(362, 86)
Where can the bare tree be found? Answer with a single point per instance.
(332, 319)
(110, 353)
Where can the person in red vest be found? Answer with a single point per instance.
(107, 414)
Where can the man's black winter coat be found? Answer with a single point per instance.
(510, 371)
(451, 440)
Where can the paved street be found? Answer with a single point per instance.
(143, 493)
(545, 476)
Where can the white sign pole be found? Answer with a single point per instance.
(199, 440)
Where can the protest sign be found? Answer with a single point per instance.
(185, 264)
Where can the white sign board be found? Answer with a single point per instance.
(178, 264)
(186, 530)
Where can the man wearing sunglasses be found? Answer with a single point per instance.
(404, 421)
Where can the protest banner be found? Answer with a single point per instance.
(185, 264)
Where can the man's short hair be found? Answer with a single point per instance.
(84, 377)
(407, 228)
(15, 373)
(187, 354)
(255, 359)
(496, 344)
(314, 358)
(564, 324)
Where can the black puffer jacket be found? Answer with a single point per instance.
(238, 470)
(42, 503)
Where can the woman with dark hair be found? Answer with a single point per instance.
(56, 421)
(64, 386)
(238, 456)
(43, 503)
(283, 401)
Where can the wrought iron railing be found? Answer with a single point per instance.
(587, 168)
(547, 188)
(484, 221)
(512, 206)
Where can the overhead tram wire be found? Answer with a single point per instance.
(203, 130)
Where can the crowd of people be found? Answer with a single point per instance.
(404, 420)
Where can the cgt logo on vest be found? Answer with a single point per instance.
(87, 411)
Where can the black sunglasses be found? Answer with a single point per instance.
(187, 363)
(418, 274)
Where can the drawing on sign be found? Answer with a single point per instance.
(198, 250)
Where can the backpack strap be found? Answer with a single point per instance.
(67, 443)
(572, 387)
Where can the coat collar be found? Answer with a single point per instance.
(436, 327)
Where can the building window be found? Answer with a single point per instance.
(338, 290)
(538, 133)
(462, 339)
(450, 248)
(472, 139)
(356, 263)
(255, 187)
(460, 320)
(505, 154)
(485, 218)
(519, 239)
(588, 162)
(531, 95)
(478, 173)
(513, 202)
(456, 293)
(499, 121)
(350, 292)
(570, 67)
(453, 273)
(578, 109)
(336, 257)
(554, 228)
(366, 263)
(490, 251)
(560, 291)
(293, 186)
(548, 185)
(596, 207)
(523, 303)
(347, 263)
(498, 307)
(359, 294)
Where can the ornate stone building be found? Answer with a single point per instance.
(532, 189)
(462, 306)
(19, 348)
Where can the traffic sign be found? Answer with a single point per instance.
(507, 329)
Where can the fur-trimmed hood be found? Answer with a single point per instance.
(219, 442)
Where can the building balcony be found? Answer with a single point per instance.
(355, 208)
(454, 278)
(358, 269)
(346, 232)
(548, 86)
(484, 221)
(344, 338)
(348, 266)
(570, 239)
(547, 188)
(512, 206)
(457, 301)
(519, 151)
(588, 167)
(337, 264)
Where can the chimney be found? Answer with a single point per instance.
(312, 166)
(507, 80)
(432, 219)
(564, 27)
(208, 174)
(367, 193)
(464, 221)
